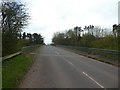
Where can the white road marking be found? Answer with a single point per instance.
(57, 53)
(93, 80)
(70, 63)
(32, 53)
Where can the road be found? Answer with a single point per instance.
(57, 68)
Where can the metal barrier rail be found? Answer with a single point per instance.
(10, 56)
(110, 56)
(23, 50)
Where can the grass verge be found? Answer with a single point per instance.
(13, 70)
(91, 56)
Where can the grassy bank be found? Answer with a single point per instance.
(14, 69)
(97, 55)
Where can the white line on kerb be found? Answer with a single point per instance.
(93, 80)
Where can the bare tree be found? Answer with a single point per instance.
(13, 18)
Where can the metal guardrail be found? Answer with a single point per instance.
(11, 55)
(23, 50)
(109, 56)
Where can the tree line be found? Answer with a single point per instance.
(31, 39)
(90, 36)
(14, 18)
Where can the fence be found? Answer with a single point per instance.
(109, 56)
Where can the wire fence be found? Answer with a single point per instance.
(109, 56)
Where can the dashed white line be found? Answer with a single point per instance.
(93, 80)
(87, 76)
(70, 63)
(57, 53)
(32, 53)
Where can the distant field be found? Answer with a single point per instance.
(14, 69)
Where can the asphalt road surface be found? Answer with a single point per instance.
(57, 68)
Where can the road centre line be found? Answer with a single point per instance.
(87, 75)
(32, 53)
(93, 80)
(57, 53)
(70, 63)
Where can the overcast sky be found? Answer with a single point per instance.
(49, 16)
